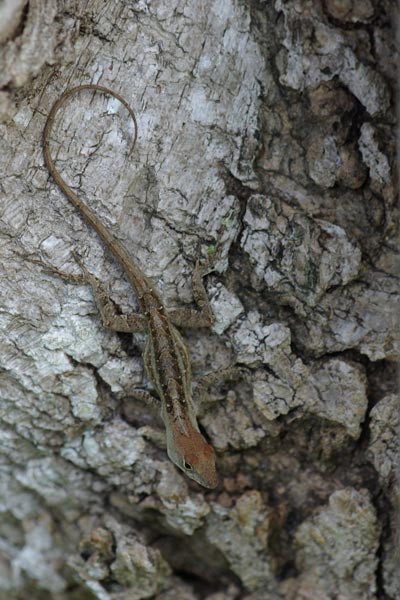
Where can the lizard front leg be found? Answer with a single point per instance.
(201, 390)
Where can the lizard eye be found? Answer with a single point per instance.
(187, 466)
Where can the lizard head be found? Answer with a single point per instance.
(189, 451)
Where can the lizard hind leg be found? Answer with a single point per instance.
(74, 278)
(111, 319)
(203, 316)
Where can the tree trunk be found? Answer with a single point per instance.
(269, 125)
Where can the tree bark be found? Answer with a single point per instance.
(273, 123)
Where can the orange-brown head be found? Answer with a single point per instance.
(189, 451)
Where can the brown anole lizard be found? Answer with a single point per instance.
(165, 355)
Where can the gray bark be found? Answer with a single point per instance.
(275, 121)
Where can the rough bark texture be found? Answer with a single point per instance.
(276, 121)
